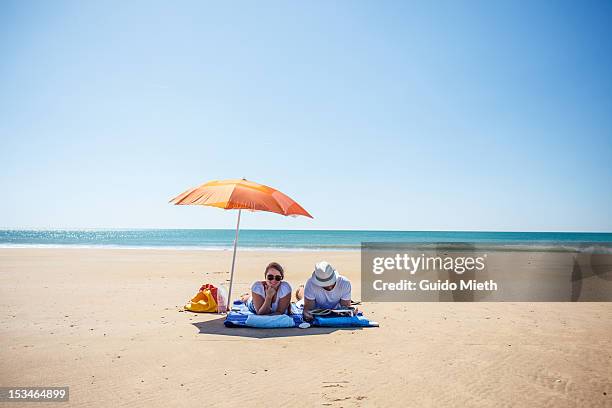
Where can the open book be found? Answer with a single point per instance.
(350, 311)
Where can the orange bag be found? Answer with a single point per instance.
(204, 301)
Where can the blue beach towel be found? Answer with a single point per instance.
(269, 322)
(240, 313)
(342, 321)
(241, 316)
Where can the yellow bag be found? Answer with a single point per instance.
(204, 301)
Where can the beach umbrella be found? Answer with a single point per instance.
(240, 194)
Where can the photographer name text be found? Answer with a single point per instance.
(439, 285)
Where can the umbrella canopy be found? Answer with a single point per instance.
(240, 194)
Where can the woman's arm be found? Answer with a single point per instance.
(283, 304)
(262, 305)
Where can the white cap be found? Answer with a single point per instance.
(324, 274)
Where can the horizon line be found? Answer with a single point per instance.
(289, 229)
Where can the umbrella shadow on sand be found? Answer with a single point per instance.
(216, 327)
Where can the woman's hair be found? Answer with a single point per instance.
(276, 266)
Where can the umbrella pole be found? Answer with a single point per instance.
(229, 294)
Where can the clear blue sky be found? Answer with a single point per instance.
(373, 115)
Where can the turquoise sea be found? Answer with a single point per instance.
(283, 239)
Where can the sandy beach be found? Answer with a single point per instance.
(109, 324)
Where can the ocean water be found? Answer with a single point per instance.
(287, 239)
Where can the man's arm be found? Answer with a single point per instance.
(345, 299)
(308, 306)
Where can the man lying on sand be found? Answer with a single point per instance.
(325, 289)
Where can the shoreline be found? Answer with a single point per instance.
(562, 247)
(179, 248)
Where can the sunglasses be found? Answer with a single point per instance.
(275, 277)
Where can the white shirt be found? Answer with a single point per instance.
(283, 290)
(328, 299)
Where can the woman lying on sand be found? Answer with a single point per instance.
(271, 296)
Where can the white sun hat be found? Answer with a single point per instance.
(324, 274)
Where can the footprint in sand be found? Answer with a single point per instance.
(332, 389)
